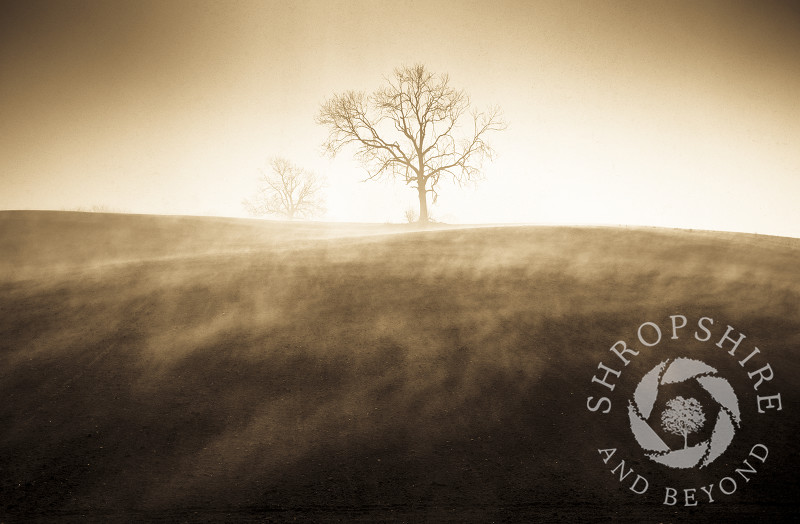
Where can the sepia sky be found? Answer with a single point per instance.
(668, 113)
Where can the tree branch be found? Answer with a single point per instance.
(410, 129)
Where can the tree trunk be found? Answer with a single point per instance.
(423, 201)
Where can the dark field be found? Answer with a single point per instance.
(195, 369)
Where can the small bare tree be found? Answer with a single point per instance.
(411, 215)
(288, 190)
(683, 416)
(412, 129)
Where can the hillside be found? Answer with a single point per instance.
(196, 369)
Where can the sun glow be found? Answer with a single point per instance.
(616, 116)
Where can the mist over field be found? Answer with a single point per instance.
(199, 369)
(164, 359)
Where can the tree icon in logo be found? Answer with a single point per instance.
(684, 416)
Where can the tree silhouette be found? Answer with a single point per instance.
(289, 191)
(412, 129)
(683, 416)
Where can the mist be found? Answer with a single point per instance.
(354, 369)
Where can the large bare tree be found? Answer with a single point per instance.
(416, 128)
(288, 190)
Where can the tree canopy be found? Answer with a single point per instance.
(415, 128)
(288, 190)
(683, 416)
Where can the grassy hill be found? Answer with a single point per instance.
(185, 368)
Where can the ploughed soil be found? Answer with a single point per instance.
(199, 369)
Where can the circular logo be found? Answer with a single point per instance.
(683, 416)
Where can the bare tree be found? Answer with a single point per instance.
(412, 129)
(683, 416)
(288, 190)
(410, 214)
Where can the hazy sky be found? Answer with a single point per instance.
(671, 113)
